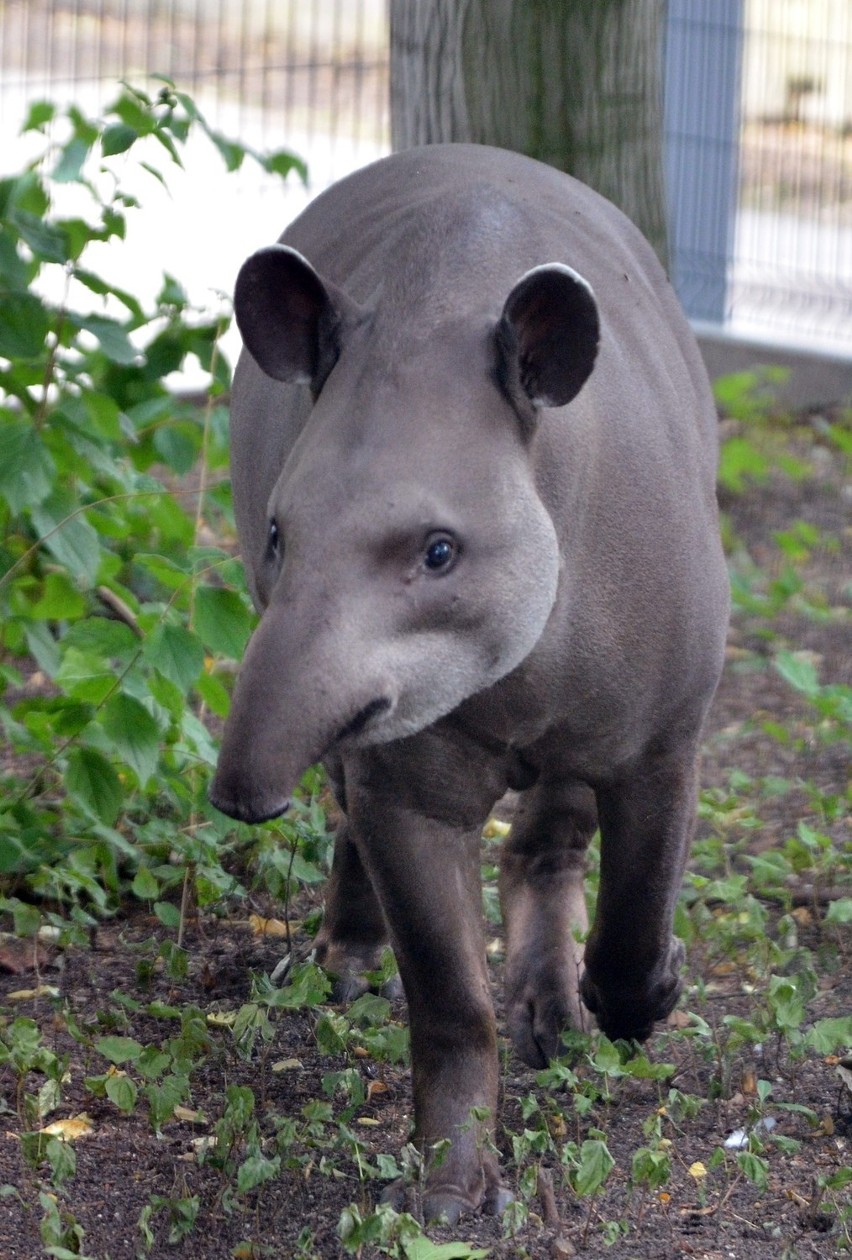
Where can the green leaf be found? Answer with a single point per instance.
(40, 113)
(85, 676)
(828, 1034)
(119, 1049)
(112, 337)
(122, 1091)
(422, 1248)
(60, 599)
(135, 734)
(69, 536)
(112, 640)
(69, 168)
(27, 470)
(595, 1165)
(255, 1170)
(282, 162)
(755, 1168)
(117, 138)
(92, 780)
(168, 914)
(840, 911)
(222, 621)
(145, 886)
(24, 325)
(177, 653)
(62, 1159)
(798, 669)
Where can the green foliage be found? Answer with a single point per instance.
(119, 617)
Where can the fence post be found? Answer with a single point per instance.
(703, 61)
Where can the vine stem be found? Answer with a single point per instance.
(187, 894)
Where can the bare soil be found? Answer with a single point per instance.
(123, 1163)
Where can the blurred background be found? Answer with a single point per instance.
(757, 138)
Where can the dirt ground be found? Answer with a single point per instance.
(123, 1163)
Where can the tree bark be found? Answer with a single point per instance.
(576, 83)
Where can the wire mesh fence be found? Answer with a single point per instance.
(313, 75)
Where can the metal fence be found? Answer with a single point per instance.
(758, 124)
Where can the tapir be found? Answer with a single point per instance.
(473, 452)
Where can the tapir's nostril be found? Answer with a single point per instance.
(354, 727)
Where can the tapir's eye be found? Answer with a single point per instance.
(273, 541)
(441, 553)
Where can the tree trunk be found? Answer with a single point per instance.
(576, 83)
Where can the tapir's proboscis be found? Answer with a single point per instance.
(473, 457)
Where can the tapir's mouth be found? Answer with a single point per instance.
(362, 719)
(247, 811)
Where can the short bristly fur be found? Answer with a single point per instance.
(474, 451)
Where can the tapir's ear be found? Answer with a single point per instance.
(547, 337)
(290, 319)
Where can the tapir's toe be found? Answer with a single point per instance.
(446, 1203)
(630, 1013)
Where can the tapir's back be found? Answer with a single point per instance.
(441, 233)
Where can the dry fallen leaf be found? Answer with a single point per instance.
(803, 916)
(287, 1065)
(18, 955)
(376, 1087)
(369, 1121)
(221, 1019)
(26, 995)
(186, 1113)
(69, 1130)
(496, 829)
(271, 927)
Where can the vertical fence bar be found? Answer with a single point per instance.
(703, 60)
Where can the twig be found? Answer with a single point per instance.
(122, 610)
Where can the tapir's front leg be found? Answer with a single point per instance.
(632, 961)
(422, 850)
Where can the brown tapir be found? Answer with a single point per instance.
(473, 457)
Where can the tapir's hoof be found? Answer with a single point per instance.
(536, 1027)
(446, 1204)
(631, 1014)
(346, 988)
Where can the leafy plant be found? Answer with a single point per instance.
(122, 605)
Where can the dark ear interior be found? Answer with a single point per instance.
(547, 337)
(289, 318)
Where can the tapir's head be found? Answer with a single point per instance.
(408, 561)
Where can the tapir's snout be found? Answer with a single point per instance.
(229, 798)
(285, 716)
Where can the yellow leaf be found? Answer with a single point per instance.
(186, 1113)
(369, 1121)
(697, 1170)
(221, 1019)
(25, 995)
(71, 1129)
(270, 927)
(287, 1065)
(496, 829)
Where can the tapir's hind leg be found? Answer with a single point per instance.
(353, 936)
(632, 962)
(541, 891)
